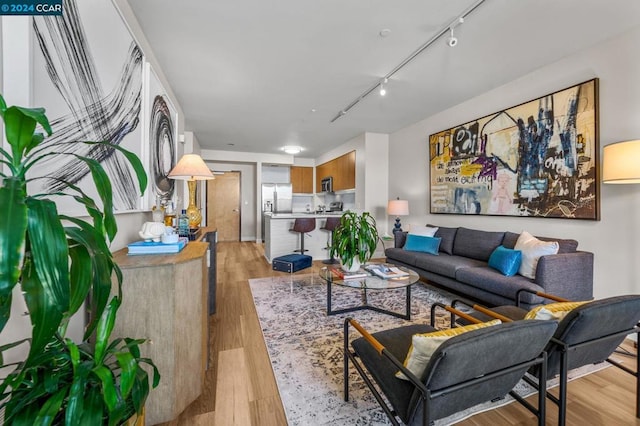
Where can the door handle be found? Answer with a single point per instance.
(234, 210)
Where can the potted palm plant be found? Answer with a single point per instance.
(354, 240)
(60, 262)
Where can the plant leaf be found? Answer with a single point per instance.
(13, 228)
(105, 191)
(92, 412)
(109, 394)
(50, 254)
(75, 403)
(51, 408)
(19, 130)
(80, 277)
(140, 390)
(43, 312)
(128, 366)
(103, 331)
(133, 159)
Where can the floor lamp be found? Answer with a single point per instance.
(192, 168)
(621, 162)
(398, 208)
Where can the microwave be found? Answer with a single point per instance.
(327, 184)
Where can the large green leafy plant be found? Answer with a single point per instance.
(355, 238)
(59, 262)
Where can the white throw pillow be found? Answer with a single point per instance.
(423, 231)
(532, 248)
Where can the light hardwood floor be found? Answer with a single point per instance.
(240, 388)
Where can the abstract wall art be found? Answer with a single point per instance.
(161, 127)
(537, 159)
(87, 74)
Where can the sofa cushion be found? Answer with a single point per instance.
(426, 231)
(506, 261)
(422, 243)
(490, 280)
(564, 245)
(447, 236)
(532, 249)
(401, 255)
(476, 244)
(445, 264)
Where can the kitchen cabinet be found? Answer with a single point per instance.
(342, 169)
(302, 180)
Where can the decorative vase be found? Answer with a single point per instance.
(355, 266)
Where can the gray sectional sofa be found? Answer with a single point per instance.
(461, 265)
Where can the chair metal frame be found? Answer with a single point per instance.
(565, 351)
(426, 394)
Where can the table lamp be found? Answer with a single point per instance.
(191, 168)
(398, 208)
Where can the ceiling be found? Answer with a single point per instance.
(255, 75)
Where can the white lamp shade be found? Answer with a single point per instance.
(398, 207)
(621, 162)
(191, 167)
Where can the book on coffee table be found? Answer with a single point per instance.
(344, 275)
(386, 272)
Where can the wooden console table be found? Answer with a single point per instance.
(165, 301)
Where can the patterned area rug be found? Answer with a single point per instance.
(305, 346)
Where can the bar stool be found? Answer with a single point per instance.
(331, 224)
(303, 225)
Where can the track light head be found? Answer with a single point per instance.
(453, 41)
(383, 86)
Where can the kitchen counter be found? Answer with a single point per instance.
(279, 240)
(304, 214)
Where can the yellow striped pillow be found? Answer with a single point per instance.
(425, 344)
(552, 311)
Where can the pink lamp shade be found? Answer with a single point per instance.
(398, 208)
(191, 167)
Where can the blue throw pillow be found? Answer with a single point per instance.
(505, 260)
(422, 243)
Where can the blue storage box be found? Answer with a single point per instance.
(291, 262)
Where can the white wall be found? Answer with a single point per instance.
(615, 239)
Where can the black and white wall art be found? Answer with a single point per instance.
(161, 135)
(87, 74)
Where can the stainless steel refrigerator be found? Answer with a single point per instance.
(276, 198)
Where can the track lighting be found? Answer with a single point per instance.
(383, 86)
(453, 41)
(442, 32)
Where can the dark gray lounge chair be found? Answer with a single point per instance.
(589, 334)
(468, 369)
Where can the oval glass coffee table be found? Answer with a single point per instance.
(374, 283)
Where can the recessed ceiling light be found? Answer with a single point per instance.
(291, 149)
(384, 32)
(313, 110)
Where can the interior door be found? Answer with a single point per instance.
(223, 205)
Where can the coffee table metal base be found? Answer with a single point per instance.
(366, 305)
